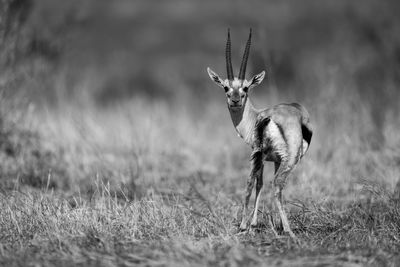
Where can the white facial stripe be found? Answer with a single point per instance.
(236, 83)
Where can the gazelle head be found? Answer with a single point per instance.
(236, 88)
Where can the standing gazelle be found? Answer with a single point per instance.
(281, 134)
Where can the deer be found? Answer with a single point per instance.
(280, 134)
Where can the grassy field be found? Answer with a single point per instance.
(117, 150)
(123, 191)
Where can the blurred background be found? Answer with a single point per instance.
(118, 91)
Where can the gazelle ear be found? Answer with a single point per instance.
(256, 80)
(215, 78)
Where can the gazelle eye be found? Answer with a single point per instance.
(245, 89)
(242, 96)
(226, 89)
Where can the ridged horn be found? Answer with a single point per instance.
(242, 72)
(229, 69)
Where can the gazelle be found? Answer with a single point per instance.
(281, 134)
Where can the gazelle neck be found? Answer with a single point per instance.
(244, 120)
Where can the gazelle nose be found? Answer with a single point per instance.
(235, 101)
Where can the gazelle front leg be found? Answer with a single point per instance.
(259, 186)
(256, 165)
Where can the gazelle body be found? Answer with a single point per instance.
(281, 134)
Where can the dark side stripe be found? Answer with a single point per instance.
(261, 123)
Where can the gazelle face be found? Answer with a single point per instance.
(236, 90)
(236, 94)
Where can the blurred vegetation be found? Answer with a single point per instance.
(110, 127)
(126, 49)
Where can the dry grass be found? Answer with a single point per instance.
(42, 228)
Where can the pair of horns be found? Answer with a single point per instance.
(229, 68)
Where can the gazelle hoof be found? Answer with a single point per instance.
(243, 227)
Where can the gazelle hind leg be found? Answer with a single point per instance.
(275, 219)
(284, 220)
(279, 183)
(259, 186)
